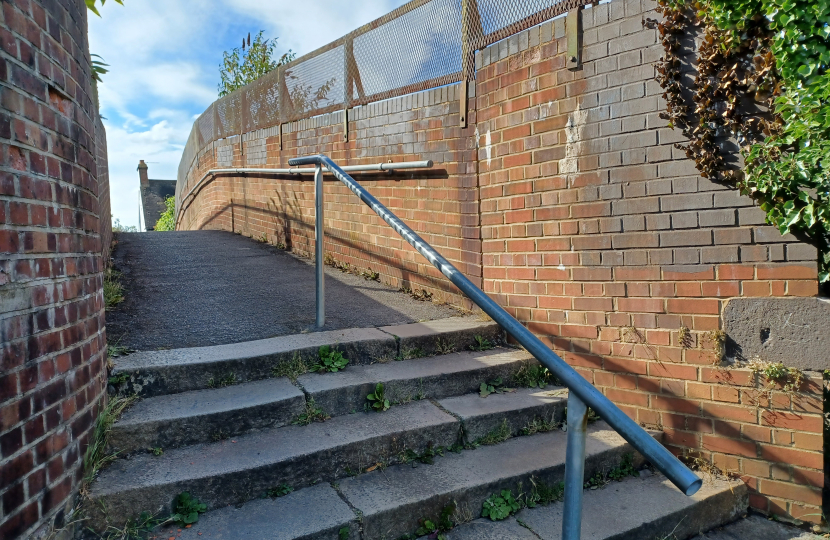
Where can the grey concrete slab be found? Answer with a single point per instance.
(788, 330)
(393, 500)
(153, 373)
(484, 529)
(196, 288)
(758, 528)
(241, 469)
(640, 508)
(204, 415)
(443, 335)
(479, 416)
(314, 513)
(434, 377)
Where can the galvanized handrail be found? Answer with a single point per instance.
(581, 393)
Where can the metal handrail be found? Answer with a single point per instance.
(388, 167)
(581, 393)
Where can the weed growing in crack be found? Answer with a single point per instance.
(330, 361)
(312, 413)
(343, 533)
(494, 387)
(540, 425)
(444, 345)
(542, 494)
(789, 378)
(499, 506)
(481, 344)
(96, 456)
(618, 473)
(533, 375)
(280, 491)
(223, 381)
(291, 369)
(158, 451)
(495, 436)
(377, 399)
(186, 509)
(409, 354)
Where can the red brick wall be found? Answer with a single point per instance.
(605, 241)
(52, 319)
(581, 218)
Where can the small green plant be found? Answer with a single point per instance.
(542, 494)
(789, 378)
(343, 533)
(718, 340)
(493, 387)
(481, 344)
(534, 376)
(113, 289)
(157, 451)
(500, 506)
(426, 457)
(684, 337)
(186, 509)
(223, 381)
(377, 399)
(281, 245)
(135, 528)
(434, 529)
(97, 455)
(495, 436)
(291, 369)
(370, 275)
(114, 351)
(280, 491)
(409, 354)
(331, 361)
(624, 469)
(539, 425)
(444, 346)
(121, 378)
(312, 413)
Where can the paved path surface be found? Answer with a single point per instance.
(196, 288)
(758, 528)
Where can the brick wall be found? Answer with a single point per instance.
(580, 217)
(52, 318)
(441, 205)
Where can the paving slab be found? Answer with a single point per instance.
(758, 528)
(241, 469)
(434, 377)
(204, 415)
(314, 513)
(153, 373)
(196, 288)
(443, 335)
(393, 500)
(480, 416)
(640, 508)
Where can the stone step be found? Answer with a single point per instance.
(392, 501)
(175, 420)
(435, 377)
(635, 509)
(388, 503)
(241, 469)
(153, 373)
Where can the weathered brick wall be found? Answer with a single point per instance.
(583, 221)
(441, 204)
(102, 172)
(52, 371)
(605, 241)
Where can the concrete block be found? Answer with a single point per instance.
(435, 337)
(788, 330)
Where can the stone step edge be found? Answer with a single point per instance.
(152, 373)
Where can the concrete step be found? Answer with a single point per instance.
(175, 420)
(392, 501)
(435, 377)
(153, 373)
(238, 470)
(635, 509)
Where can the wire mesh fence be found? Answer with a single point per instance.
(422, 44)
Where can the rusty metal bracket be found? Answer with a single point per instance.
(573, 31)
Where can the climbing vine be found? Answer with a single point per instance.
(762, 79)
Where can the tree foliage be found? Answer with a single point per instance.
(92, 5)
(167, 220)
(244, 65)
(773, 52)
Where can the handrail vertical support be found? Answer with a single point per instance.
(574, 468)
(319, 266)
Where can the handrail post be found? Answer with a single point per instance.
(319, 266)
(574, 468)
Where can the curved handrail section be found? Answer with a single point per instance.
(680, 475)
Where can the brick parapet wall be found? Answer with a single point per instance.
(602, 238)
(441, 204)
(576, 212)
(52, 369)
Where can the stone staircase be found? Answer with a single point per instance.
(229, 421)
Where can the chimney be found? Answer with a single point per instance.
(142, 174)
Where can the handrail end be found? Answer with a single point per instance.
(694, 487)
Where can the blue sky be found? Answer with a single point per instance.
(164, 61)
